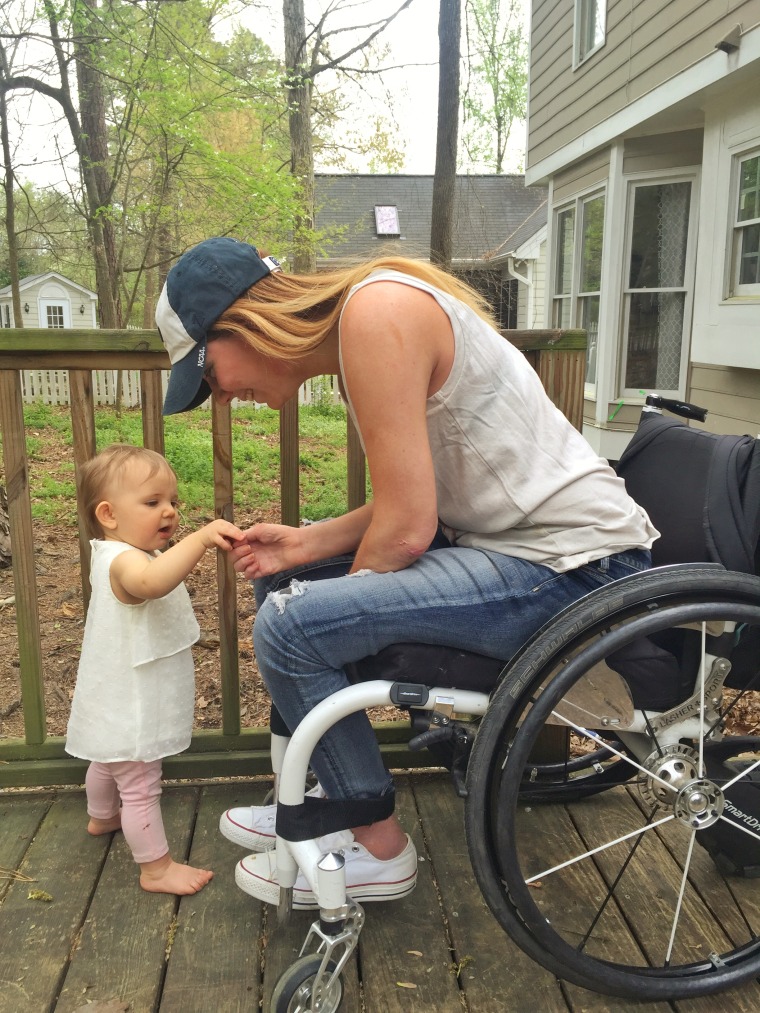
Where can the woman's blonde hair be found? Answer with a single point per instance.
(101, 471)
(286, 316)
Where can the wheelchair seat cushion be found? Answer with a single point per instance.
(430, 665)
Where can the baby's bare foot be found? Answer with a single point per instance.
(168, 876)
(97, 827)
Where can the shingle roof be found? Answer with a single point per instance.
(535, 221)
(487, 210)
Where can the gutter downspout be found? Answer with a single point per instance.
(527, 280)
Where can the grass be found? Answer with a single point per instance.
(255, 454)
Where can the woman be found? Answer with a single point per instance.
(458, 433)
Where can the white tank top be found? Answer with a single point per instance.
(512, 474)
(134, 696)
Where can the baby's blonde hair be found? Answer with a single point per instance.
(286, 316)
(102, 470)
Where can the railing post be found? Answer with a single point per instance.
(356, 465)
(221, 427)
(83, 439)
(290, 506)
(24, 575)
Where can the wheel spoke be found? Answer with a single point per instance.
(679, 901)
(602, 847)
(595, 737)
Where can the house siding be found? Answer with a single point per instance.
(730, 396)
(581, 176)
(646, 44)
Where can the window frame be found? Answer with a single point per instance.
(584, 10)
(387, 222)
(689, 274)
(577, 299)
(54, 303)
(736, 227)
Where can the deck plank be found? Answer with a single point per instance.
(121, 952)
(214, 959)
(406, 960)
(37, 936)
(20, 819)
(101, 938)
(495, 975)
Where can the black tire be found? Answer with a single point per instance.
(594, 922)
(293, 991)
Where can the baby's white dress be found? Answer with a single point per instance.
(134, 696)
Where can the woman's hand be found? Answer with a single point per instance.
(267, 549)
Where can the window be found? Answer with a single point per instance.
(386, 220)
(746, 246)
(54, 316)
(590, 24)
(577, 290)
(657, 296)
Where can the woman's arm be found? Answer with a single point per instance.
(272, 548)
(398, 349)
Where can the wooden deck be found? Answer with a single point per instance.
(103, 945)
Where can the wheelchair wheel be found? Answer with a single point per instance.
(293, 993)
(618, 891)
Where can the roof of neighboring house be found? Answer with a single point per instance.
(34, 279)
(535, 221)
(486, 210)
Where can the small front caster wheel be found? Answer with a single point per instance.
(293, 992)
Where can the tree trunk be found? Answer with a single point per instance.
(444, 181)
(298, 87)
(93, 158)
(10, 207)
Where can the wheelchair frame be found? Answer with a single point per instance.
(648, 746)
(569, 675)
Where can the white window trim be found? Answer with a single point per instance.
(650, 179)
(65, 305)
(578, 60)
(733, 289)
(576, 203)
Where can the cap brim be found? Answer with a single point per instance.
(187, 389)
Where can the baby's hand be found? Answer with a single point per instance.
(220, 533)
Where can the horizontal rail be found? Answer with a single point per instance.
(557, 356)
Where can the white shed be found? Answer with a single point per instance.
(50, 300)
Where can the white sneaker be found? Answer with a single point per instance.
(253, 826)
(367, 878)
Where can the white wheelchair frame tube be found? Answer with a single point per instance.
(304, 855)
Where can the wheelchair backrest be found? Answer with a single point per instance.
(701, 490)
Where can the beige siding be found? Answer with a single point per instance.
(732, 397)
(663, 151)
(539, 285)
(647, 43)
(580, 176)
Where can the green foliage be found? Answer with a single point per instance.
(497, 79)
(255, 454)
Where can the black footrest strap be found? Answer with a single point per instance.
(316, 817)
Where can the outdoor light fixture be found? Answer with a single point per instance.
(81, 309)
(26, 307)
(730, 43)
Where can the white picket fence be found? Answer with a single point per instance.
(51, 386)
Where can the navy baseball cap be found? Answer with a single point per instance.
(203, 283)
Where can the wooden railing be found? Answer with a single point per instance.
(558, 357)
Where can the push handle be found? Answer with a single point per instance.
(682, 408)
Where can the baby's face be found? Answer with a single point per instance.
(144, 507)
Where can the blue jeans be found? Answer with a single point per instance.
(312, 622)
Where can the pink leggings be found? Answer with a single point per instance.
(138, 786)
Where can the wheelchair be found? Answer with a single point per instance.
(611, 770)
